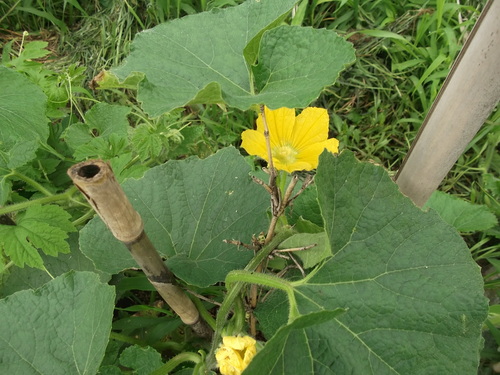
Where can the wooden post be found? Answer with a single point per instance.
(468, 96)
(96, 181)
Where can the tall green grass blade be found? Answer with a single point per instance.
(48, 16)
(382, 34)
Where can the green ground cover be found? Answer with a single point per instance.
(404, 51)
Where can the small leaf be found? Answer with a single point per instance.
(61, 328)
(192, 135)
(104, 133)
(464, 216)
(5, 189)
(309, 257)
(17, 153)
(143, 360)
(122, 169)
(77, 135)
(41, 227)
(306, 206)
(53, 215)
(108, 119)
(34, 50)
(107, 80)
(146, 143)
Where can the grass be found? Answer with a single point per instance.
(404, 52)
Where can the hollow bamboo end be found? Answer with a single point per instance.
(97, 182)
(90, 171)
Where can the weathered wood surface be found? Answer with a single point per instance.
(468, 96)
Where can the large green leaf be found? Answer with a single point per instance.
(62, 328)
(209, 57)
(189, 207)
(413, 294)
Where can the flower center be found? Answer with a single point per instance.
(285, 154)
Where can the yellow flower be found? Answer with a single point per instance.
(235, 354)
(296, 142)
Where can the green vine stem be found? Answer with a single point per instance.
(235, 290)
(127, 339)
(203, 312)
(66, 196)
(31, 182)
(270, 281)
(168, 367)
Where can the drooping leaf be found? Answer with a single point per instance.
(464, 216)
(208, 58)
(413, 294)
(189, 207)
(40, 227)
(61, 328)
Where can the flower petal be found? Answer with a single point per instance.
(229, 361)
(254, 143)
(298, 165)
(235, 354)
(310, 154)
(280, 123)
(311, 126)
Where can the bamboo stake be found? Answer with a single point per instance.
(469, 94)
(97, 182)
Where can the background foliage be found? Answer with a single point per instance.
(404, 51)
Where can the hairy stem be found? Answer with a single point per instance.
(236, 289)
(66, 196)
(168, 367)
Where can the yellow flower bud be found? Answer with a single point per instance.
(235, 354)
